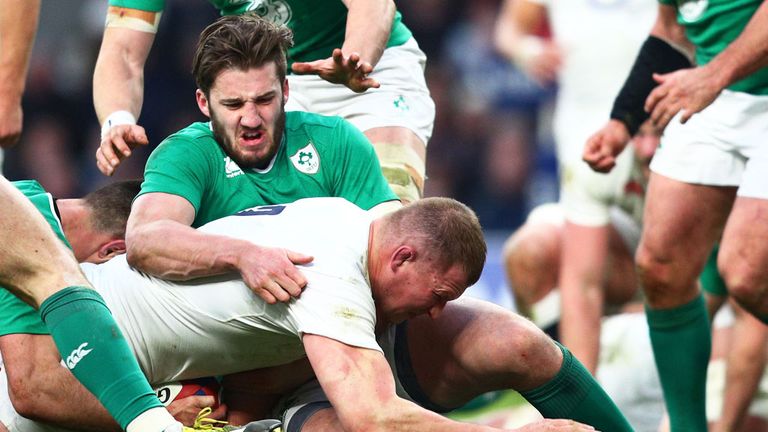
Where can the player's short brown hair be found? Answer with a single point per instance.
(110, 206)
(449, 231)
(239, 42)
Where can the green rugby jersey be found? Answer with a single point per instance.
(711, 25)
(319, 156)
(17, 316)
(318, 25)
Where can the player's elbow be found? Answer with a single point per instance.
(24, 399)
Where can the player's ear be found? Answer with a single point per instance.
(285, 91)
(400, 256)
(202, 103)
(109, 250)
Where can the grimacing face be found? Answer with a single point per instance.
(247, 112)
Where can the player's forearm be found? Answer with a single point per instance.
(746, 54)
(18, 24)
(118, 79)
(369, 24)
(513, 33)
(191, 253)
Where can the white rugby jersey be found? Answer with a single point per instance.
(216, 325)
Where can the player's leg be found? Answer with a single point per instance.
(744, 254)
(474, 347)
(681, 224)
(529, 257)
(402, 155)
(42, 271)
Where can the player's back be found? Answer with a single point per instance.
(216, 325)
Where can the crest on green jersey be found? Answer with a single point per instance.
(306, 160)
(692, 10)
(275, 11)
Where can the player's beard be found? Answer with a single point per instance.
(227, 142)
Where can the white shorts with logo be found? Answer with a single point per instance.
(402, 100)
(726, 144)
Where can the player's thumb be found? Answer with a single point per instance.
(138, 136)
(299, 258)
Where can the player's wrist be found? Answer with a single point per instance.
(120, 117)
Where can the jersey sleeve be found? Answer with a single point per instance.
(178, 167)
(144, 5)
(338, 309)
(357, 174)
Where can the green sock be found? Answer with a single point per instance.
(682, 343)
(574, 394)
(95, 351)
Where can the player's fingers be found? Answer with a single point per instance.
(685, 115)
(108, 151)
(304, 68)
(297, 277)
(204, 401)
(299, 258)
(138, 136)
(280, 288)
(656, 95)
(219, 413)
(264, 293)
(102, 165)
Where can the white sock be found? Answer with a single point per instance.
(154, 420)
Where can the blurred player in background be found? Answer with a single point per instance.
(18, 23)
(708, 171)
(351, 58)
(589, 55)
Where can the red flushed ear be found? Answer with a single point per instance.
(400, 256)
(109, 250)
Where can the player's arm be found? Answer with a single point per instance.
(369, 24)
(691, 90)
(667, 49)
(42, 389)
(360, 386)
(118, 83)
(160, 241)
(18, 24)
(515, 39)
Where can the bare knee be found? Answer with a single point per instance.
(530, 355)
(746, 282)
(530, 256)
(667, 282)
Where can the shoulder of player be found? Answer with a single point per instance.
(198, 135)
(325, 132)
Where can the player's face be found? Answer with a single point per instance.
(423, 291)
(247, 113)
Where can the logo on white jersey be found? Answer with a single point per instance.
(276, 11)
(231, 168)
(691, 10)
(306, 160)
(77, 354)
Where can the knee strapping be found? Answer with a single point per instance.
(134, 19)
(403, 168)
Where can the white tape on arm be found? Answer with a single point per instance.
(116, 118)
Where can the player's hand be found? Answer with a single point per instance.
(185, 410)
(604, 146)
(338, 69)
(11, 117)
(540, 60)
(687, 91)
(271, 273)
(555, 425)
(117, 145)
